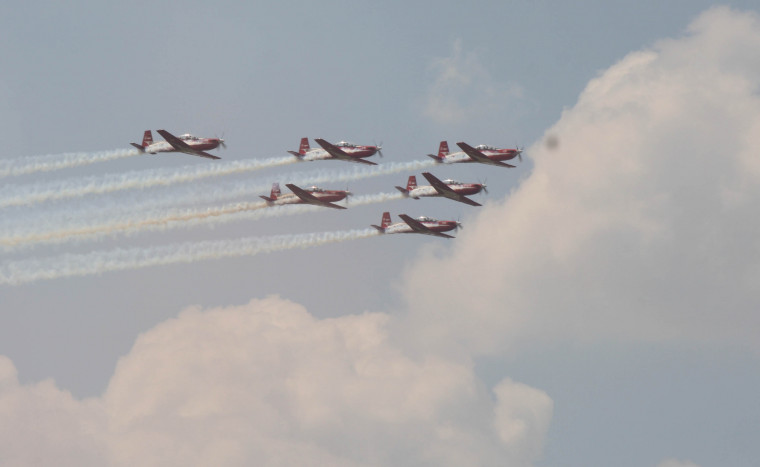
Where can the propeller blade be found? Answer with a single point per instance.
(483, 185)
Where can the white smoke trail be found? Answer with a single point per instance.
(57, 220)
(251, 188)
(162, 221)
(37, 193)
(98, 262)
(30, 194)
(47, 163)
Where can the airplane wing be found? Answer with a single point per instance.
(311, 199)
(418, 227)
(339, 154)
(478, 156)
(446, 191)
(182, 146)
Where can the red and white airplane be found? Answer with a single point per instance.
(447, 188)
(421, 225)
(313, 195)
(481, 153)
(186, 143)
(341, 151)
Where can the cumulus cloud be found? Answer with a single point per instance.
(268, 384)
(638, 220)
(464, 88)
(43, 425)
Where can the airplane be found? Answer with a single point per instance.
(186, 143)
(481, 153)
(313, 195)
(342, 151)
(447, 188)
(421, 225)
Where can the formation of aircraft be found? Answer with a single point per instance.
(186, 143)
(312, 195)
(482, 153)
(349, 152)
(451, 189)
(341, 150)
(422, 225)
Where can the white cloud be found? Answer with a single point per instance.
(463, 88)
(522, 412)
(43, 425)
(268, 384)
(639, 223)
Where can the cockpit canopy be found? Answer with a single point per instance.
(315, 189)
(485, 147)
(345, 144)
(188, 137)
(426, 219)
(449, 181)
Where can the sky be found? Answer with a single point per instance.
(600, 308)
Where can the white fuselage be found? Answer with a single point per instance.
(287, 198)
(400, 227)
(423, 191)
(317, 154)
(454, 157)
(159, 146)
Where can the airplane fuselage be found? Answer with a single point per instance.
(499, 155)
(432, 224)
(318, 154)
(329, 196)
(464, 189)
(201, 144)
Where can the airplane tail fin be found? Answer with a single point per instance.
(302, 149)
(275, 193)
(147, 141)
(385, 222)
(410, 185)
(443, 151)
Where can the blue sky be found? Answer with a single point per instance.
(602, 300)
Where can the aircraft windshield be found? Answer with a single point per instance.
(345, 144)
(452, 182)
(482, 147)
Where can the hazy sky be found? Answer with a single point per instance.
(601, 308)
